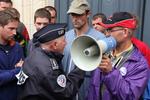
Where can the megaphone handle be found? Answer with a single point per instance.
(108, 54)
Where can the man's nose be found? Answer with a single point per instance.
(42, 25)
(14, 32)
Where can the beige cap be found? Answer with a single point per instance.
(78, 7)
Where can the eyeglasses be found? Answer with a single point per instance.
(110, 30)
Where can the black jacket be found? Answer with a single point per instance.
(46, 79)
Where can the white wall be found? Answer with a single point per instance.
(27, 9)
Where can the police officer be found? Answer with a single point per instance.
(42, 77)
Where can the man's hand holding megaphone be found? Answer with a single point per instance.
(105, 65)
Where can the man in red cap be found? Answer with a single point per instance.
(145, 50)
(123, 76)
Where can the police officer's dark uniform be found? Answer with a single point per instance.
(42, 78)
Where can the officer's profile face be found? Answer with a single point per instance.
(41, 22)
(60, 44)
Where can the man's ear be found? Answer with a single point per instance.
(126, 32)
(1, 28)
(54, 45)
(51, 45)
(88, 13)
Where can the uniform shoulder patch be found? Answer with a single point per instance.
(54, 64)
(21, 76)
(61, 80)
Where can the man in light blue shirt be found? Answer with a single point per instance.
(79, 12)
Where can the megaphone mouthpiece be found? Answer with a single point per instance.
(91, 51)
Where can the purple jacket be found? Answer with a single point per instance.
(126, 83)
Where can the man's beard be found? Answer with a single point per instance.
(11, 41)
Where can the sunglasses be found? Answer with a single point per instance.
(111, 30)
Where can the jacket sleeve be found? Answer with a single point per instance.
(93, 90)
(129, 87)
(73, 83)
(8, 75)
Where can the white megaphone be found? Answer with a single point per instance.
(86, 52)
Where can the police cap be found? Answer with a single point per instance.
(50, 32)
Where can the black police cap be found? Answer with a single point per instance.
(50, 32)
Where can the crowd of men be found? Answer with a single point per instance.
(42, 68)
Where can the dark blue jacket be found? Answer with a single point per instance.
(46, 79)
(9, 56)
